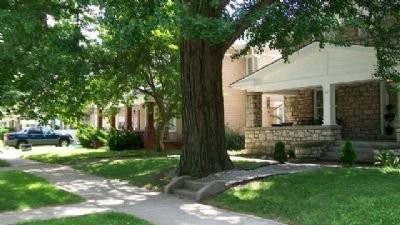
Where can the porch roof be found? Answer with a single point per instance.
(312, 66)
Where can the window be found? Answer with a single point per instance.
(279, 115)
(251, 63)
(48, 131)
(318, 106)
(35, 131)
(172, 125)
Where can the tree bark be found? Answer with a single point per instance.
(160, 135)
(203, 137)
(128, 118)
(100, 119)
(113, 121)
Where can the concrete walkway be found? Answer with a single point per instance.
(105, 194)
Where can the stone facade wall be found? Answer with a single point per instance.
(358, 110)
(254, 109)
(299, 109)
(262, 140)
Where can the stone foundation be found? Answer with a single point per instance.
(311, 150)
(262, 140)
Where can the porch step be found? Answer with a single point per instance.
(370, 144)
(193, 185)
(364, 149)
(185, 187)
(386, 138)
(362, 155)
(185, 193)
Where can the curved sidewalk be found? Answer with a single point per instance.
(105, 194)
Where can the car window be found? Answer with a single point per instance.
(35, 131)
(47, 131)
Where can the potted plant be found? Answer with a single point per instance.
(389, 118)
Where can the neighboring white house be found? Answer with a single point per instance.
(329, 94)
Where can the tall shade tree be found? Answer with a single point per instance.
(209, 28)
(43, 58)
(141, 41)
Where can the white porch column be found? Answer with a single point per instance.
(329, 104)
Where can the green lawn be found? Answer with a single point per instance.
(152, 173)
(328, 196)
(143, 168)
(93, 219)
(21, 190)
(75, 155)
(248, 165)
(3, 163)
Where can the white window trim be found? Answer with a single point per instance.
(173, 120)
(315, 102)
(255, 59)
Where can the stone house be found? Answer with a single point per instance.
(137, 115)
(329, 95)
(235, 99)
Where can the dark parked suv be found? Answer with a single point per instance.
(37, 136)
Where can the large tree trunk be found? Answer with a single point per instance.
(100, 119)
(160, 135)
(128, 117)
(203, 150)
(113, 121)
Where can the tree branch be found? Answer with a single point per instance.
(243, 23)
(144, 91)
(222, 6)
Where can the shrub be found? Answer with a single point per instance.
(386, 158)
(4, 131)
(122, 140)
(90, 137)
(280, 153)
(233, 140)
(348, 154)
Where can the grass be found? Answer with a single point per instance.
(152, 173)
(142, 168)
(93, 219)
(3, 163)
(76, 155)
(248, 165)
(328, 196)
(21, 190)
(71, 155)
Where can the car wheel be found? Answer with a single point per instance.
(19, 143)
(63, 143)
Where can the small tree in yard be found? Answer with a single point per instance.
(348, 154)
(280, 153)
